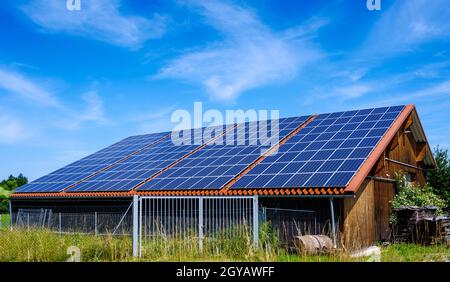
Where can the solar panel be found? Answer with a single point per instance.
(327, 152)
(137, 168)
(213, 166)
(72, 173)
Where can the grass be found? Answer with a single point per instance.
(412, 253)
(4, 221)
(45, 246)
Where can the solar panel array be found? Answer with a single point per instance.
(72, 173)
(137, 168)
(213, 166)
(325, 153)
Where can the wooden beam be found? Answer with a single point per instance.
(422, 150)
(394, 142)
(409, 122)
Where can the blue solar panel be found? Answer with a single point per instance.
(215, 165)
(143, 165)
(326, 153)
(72, 173)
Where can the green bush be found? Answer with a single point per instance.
(7, 187)
(439, 178)
(415, 195)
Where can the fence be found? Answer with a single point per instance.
(288, 223)
(164, 226)
(98, 223)
(170, 225)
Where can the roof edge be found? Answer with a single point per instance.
(367, 166)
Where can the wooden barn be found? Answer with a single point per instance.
(338, 166)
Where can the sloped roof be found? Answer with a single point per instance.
(169, 174)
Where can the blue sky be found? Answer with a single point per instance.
(73, 82)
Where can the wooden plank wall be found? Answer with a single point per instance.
(384, 192)
(402, 148)
(359, 218)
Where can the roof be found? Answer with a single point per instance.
(325, 154)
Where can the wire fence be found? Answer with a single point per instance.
(164, 226)
(288, 223)
(175, 225)
(98, 223)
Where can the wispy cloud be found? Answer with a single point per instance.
(93, 112)
(155, 121)
(433, 70)
(440, 89)
(26, 87)
(354, 90)
(12, 129)
(62, 116)
(409, 23)
(98, 19)
(249, 56)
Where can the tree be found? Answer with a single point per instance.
(12, 182)
(7, 186)
(439, 178)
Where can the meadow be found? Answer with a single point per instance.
(40, 245)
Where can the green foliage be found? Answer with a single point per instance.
(7, 186)
(439, 178)
(12, 182)
(414, 195)
(4, 193)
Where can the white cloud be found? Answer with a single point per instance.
(93, 112)
(11, 129)
(94, 108)
(154, 120)
(354, 91)
(249, 56)
(98, 19)
(431, 96)
(433, 70)
(440, 89)
(409, 23)
(26, 87)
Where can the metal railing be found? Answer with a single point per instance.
(168, 225)
(98, 223)
(164, 226)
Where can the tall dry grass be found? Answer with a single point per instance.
(40, 245)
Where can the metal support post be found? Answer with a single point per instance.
(255, 222)
(135, 225)
(333, 224)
